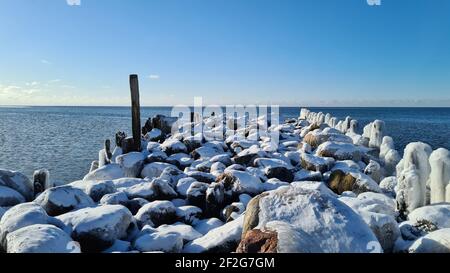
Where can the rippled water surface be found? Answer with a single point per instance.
(66, 140)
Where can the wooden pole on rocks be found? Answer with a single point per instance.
(135, 112)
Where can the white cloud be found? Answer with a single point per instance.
(44, 61)
(153, 77)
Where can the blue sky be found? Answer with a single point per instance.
(299, 52)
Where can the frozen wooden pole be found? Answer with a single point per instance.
(135, 112)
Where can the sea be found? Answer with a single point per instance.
(65, 140)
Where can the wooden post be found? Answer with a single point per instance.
(135, 112)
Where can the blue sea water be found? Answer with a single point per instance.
(66, 140)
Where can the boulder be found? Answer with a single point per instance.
(116, 198)
(277, 237)
(189, 214)
(157, 213)
(40, 238)
(206, 225)
(196, 194)
(173, 146)
(10, 197)
(24, 215)
(183, 185)
(240, 182)
(339, 151)
(155, 169)
(96, 229)
(356, 182)
(18, 182)
(186, 232)
(223, 239)
(107, 172)
(131, 163)
(437, 215)
(157, 241)
(314, 210)
(62, 199)
(318, 164)
(435, 242)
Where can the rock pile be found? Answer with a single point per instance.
(322, 188)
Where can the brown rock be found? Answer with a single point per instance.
(258, 241)
(340, 182)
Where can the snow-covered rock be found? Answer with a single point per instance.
(18, 182)
(278, 237)
(10, 197)
(206, 225)
(186, 232)
(96, 229)
(131, 163)
(316, 163)
(334, 226)
(24, 215)
(155, 169)
(173, 146)
(357, 182)
(413, 172)
(339, 151)
(241, 182)
(437, 214)
(157, 213)
(435, 242)
(107, 172)
(440, 175)
(157, 241)
(218, 240)
(62, 199)
(40, 238)
(189, 214)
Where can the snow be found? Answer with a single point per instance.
(409, 191)
(384, 227)
(114, 198)
(206, 225)
(186, 232)
(98, 228)
(144, 190)
(10, 197)
(189, 214)
(173, 146)
(437, 214)
(339, 151)
(220, 239)
(376, 134)
(62, 199)
(18, 182)
(156, 213)
(23, 215)
(315, 163)
(165, 242)
(415, 159)
(436, 242)
(265, 163)
(155, 169)
(107, 172)
(291, 240)
(371, 202)
(131, 163)
(40, 238)
(184, 184)
(439, 175)
(388, 185)
(245, 183)
(335, 226)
